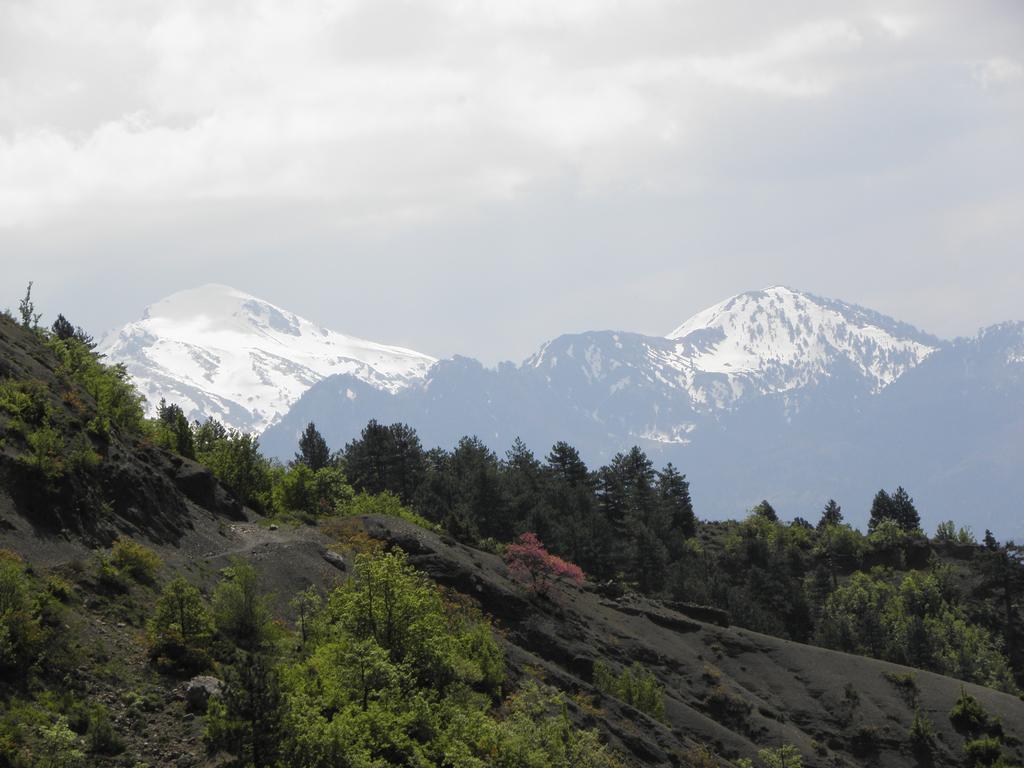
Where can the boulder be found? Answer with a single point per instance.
(199, 690)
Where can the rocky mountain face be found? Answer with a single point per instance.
(771, 394)
(216, 351)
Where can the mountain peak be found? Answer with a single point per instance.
(780, 338)
(216, 350)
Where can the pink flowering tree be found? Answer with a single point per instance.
(533, 565)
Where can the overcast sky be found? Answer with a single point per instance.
(477, 176)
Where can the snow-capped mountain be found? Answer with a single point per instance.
(758, 343)
(771, 351)
(217, 351)
(779, 339)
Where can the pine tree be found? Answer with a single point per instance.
(172, 417)
(904, 511)
(313, 450)
(881, 509)
(247, 720)
(766, 510)
(62, 328)
(831, 515)
(564, 463)
(674, 492)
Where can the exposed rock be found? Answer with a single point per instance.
(199, 690)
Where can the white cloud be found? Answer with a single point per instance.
(371, 106)
(999, 70)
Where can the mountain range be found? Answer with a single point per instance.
(776, 394)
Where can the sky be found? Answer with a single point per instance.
(479, 176)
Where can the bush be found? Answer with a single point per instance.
(922, 733)
(101, 737)
(181, 629)
(384, 503)
(135, 560)
(982, 752)
(726, 707)
(532, 564)
(240, 608)
(636, 685)
(21, 635)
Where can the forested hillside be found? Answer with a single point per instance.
(170, 596)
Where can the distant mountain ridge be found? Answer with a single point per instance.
(776, 393)
(220, 352)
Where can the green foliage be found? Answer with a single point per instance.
(26, 403)
(236, 461)
(241, 610)
(308, 494)
(246, 719)
(101, 737)
(915, 622)
(58, 747)
(21, 634)
(180, 629)
(172, 431)
(395, 675)
(786, 756)
(313, 450)
(384, 503)
(45, 455)
(135, 560)
(985, 751)
(922, 732)
(968, 716)
(117, 404)
(636, 685)
(27, 311)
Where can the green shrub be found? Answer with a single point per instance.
(45, 453)
(101, 737)
(385, 503)
(241, 609)
(26, 402)
(984, 751)
(181, 629)
(21, 635)
(727, 707)
(922, 733)
(636, 685)
(967, 715)
(118, 404)
(135, 560)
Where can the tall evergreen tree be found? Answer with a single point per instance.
(881, 509)
(766, 510)
(831, 515)
(904, 511)
(386, 458)
(674, 493)
(173, 418)
(313, 450)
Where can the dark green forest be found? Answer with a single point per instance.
(945, 603)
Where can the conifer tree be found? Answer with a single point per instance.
(313, 450)
(674, 492)
(831, 515)
(881, 509)
(766, 510)
(904, 511)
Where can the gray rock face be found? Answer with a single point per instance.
(200, 690)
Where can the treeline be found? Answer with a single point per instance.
(890, 593)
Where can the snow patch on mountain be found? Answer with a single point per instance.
(217, 351)
(779, 339)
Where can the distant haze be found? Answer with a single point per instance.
(476, 176)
